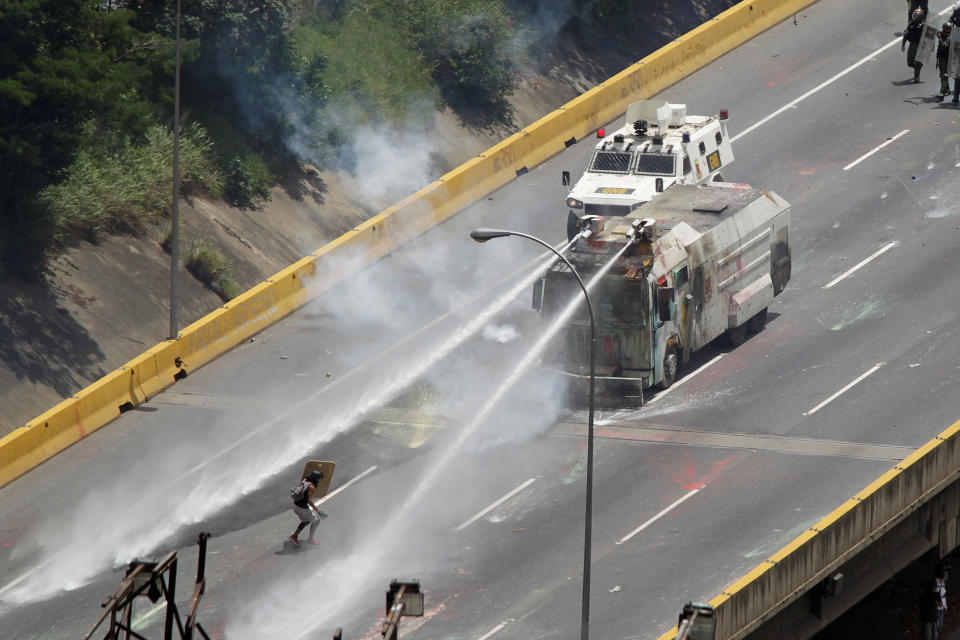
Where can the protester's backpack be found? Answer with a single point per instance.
(299, 492)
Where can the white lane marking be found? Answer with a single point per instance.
(27, 574)
(817, 88)
(849, 271)
(492, 631)
(682, 380)
(143, 617)
(495, 505)
(339, 489)
(875, 149)
(649, 522)
(870, 371)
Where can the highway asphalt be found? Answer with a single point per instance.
(858, 365)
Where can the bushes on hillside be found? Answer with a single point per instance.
(110, 188)
(467, 46)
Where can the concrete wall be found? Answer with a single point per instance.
(910, 510)
(266, 303)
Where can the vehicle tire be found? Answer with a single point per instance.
(671, 364)
(738, 335)
(718, 178)
(573, 225)
(757, 322)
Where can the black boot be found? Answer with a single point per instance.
(916, 71)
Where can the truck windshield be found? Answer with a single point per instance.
(615, 300)
(620, 301)
(611, 162)
(656, 164)
(559, 289)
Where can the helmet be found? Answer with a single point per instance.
(947, 28)
(917, 15)
(315, 477)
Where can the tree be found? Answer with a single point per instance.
(63, 63)
(244, 70)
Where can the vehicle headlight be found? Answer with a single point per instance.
(573, 203)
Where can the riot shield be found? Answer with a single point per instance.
(953, 62)
(326, 468)
(928, 41)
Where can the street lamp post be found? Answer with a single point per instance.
(482, 235)
(175, 211)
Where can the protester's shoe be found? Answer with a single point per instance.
(294, 540)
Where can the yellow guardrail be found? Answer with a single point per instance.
(813, 555)
(278, 296)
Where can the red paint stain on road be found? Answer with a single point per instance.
(689, 479)
(716, 469)
(685, 475)
(772, 83)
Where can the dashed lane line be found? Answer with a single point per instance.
(496, 504)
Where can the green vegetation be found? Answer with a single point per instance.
(86, 99)
(248, 182)
(125, 187)
(210, 267)
(86, 96)
(206, 263)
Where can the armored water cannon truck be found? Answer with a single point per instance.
(658, 146)
(693, 264)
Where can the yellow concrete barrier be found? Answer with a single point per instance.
(266, 303)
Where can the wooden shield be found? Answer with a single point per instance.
(326, 468)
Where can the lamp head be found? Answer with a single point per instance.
(483, 234)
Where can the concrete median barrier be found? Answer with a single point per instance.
(278, 296)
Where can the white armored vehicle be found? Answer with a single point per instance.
(694, 263)
(659, 146)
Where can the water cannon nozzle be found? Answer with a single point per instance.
(643, 229)
(592, 223)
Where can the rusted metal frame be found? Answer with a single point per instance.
(198, 590)
(390, 627)
(202, 631)
(110, 604)
(173, 614)
(120, 604)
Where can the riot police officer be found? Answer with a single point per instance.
(943, 59)
(912, 34)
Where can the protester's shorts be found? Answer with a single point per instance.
(306, 514)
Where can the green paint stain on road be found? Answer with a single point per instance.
(573, 474)
(851, 315)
